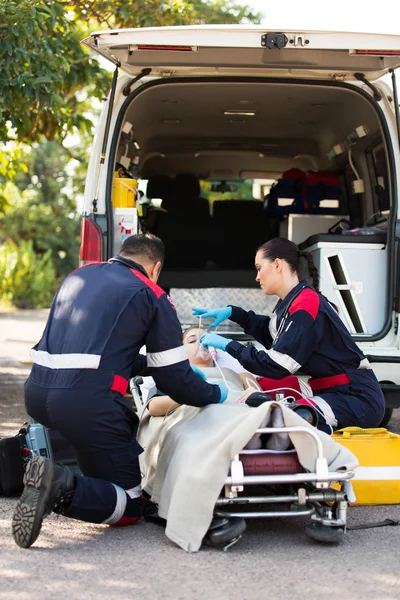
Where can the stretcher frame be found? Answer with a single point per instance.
(309, 493)
(312, 495)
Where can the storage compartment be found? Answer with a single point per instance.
(353, 275)
(298, 228)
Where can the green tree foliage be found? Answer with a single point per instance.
(44, 69)
(42, 208)
(27, 279)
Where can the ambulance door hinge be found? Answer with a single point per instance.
(376, 93)
(143, 73)
(339, 76)
(396, 325)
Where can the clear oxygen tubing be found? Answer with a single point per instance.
(316, 407)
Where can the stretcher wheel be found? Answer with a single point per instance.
(220, 534)
(325, 534)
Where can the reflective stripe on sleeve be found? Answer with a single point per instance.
(284, 360)
(65, 361)
(167, 357)
(364, 364)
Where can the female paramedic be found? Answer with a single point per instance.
(305, 334)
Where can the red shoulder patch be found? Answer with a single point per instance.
(307, 300)
(153, 286)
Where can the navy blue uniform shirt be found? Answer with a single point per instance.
(305, 335)
(101, 316)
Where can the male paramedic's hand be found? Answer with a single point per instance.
(199, 372)
(214, 340)
(220, 314)
(224, 392)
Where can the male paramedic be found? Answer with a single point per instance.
(101, 316)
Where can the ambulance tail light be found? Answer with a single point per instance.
(91, 242)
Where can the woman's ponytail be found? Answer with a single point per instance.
(314, 275)
(312, 269)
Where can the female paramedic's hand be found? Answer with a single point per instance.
(220, 314)
(214, 340)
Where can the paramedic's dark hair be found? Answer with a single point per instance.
(288, 251)
(146, 245)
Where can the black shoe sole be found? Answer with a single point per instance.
(31, 507)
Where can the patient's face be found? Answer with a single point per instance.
(196, 353)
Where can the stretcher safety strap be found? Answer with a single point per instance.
(120, 506)
(284, 360)
(167, 357)
(65, 361)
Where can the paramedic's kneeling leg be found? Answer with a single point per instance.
(101, 316)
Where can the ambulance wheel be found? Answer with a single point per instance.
(386, 417)
(325, 534)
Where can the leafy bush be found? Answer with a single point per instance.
(27, 280)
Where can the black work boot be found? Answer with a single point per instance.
(48, 485)
(225, 531)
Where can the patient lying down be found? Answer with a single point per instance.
(201, 358)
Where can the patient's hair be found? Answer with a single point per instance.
(145, 245)
(189, 329)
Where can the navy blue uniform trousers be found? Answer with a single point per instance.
(101, 427)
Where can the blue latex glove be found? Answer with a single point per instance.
(220, 314)
(224, 392)
(214, 340)
(198, 372)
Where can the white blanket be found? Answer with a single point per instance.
(188, 454)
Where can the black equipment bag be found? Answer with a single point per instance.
(15, 453)
(11, 466)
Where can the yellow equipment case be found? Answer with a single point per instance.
(377, 479)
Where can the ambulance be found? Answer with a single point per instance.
(217, 138)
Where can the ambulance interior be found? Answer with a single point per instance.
(227, 165)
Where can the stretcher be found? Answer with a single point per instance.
(267, 484)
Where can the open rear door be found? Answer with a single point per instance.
(238, 49)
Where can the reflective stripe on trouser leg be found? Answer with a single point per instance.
(120, 506)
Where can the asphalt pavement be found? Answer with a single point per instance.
(74, 560)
